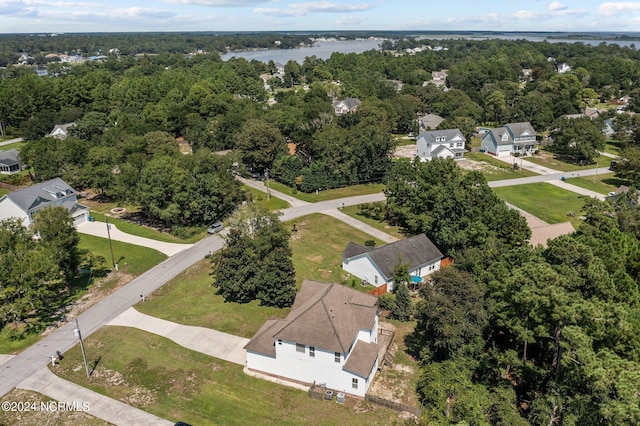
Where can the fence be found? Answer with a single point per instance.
(393, 405)
(378, 291)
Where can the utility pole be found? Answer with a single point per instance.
(266, 174)
(113, 259)
(76, 331)
(594, 176)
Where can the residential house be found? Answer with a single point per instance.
(375, 265)
(10, 162)
(60, 131)
(429, 122)
(25, 203)
(447, 143)
(346, 106)
(588, 112)
(526, 75)
(329, 338)
(608, 128)
(512, 139)
(439, 78)
(563, 68)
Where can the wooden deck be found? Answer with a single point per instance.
(386, 334)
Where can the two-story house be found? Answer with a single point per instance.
(345, 106)
(448, 143)
(25, 203)
(329, 338)
(512, 139)
(376, 265)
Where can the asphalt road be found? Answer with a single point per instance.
(38, 355)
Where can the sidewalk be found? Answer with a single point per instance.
(355, 223)
(99, 229)
(72, 395)
(10, 141)
(205, 340)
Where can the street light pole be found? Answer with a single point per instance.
(266, 173)
(594, 176)
(113, 260)
(78, 334)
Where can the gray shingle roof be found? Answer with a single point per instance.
(429, 121)
(42, 193)
(362, 358)
(414, 251)
(449, 134)
(10, 157)
(518, 129)
(326, 316)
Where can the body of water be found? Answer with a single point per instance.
(324, 49)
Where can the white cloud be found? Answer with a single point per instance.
(556, 5)
(611, 8)
(219, 3)
(349, 20)
(302, 9)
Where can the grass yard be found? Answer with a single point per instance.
(4, 192)
(10, 344)
(330, 194)
(259, 197)
(16, 145)
(545, 201)
(378, 224)
(146, 232)
(161, 377)
(134, 259)
(37, 417)
(613, 147)
(495, 169)
(190, 299)
(548, 159)
(605, 183)
(318, 245)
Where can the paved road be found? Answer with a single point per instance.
(10, 141)
(38, 355)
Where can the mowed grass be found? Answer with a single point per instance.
(354, 211)
(135, 259)
(161, 377)
(10, 344)
(4, 192)
(551, 161)
(191, 299)
(318, 245)
(15, 145)
(604, 184)
(545, 201)
(330, 194)
(146, 232)
(496, 169)
(259, 197)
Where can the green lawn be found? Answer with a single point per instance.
(4, 192)
(613, 147)
(135, 259)
(549, 160)
(545, 201)
(259, 197)
(16, 145)
(318, 245)
(330, 194)
(605, 183)
(191, 299)
(146, 232)
(495, 169)
(381, 225)
(159, 376)
(10, 344)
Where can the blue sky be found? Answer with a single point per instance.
(27, 16)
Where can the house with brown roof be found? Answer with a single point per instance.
(330, 338)
(375, 265)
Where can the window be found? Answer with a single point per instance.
(279, 341)
(300, 348)
(354, 383)
(376, 279)
(312, 351)
(336, 356)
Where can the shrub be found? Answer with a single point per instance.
(369, 243)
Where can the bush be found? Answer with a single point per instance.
(374, 211)
(369, 243)
(184, 232)
(387, 302)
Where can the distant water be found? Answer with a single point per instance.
(324, 49)
(321, 49)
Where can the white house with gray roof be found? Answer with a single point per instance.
(375, 265)
(10, 162)
(345, 106)
(512, 139)
(447, 143)
(329, 338)
(25, 203)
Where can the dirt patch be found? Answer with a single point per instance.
(480, 166)
(395, 383)
(405, 151)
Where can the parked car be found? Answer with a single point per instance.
(215, 228)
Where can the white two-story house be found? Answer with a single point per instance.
(512, 139)
(329, 338)
(376, 265)
(448, 143)
(25, 203)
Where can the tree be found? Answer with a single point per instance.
(55, 227)
(579, 138)
(259, 144)
(256, 262)
(403, 308)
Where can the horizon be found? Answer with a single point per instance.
(237, 16)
